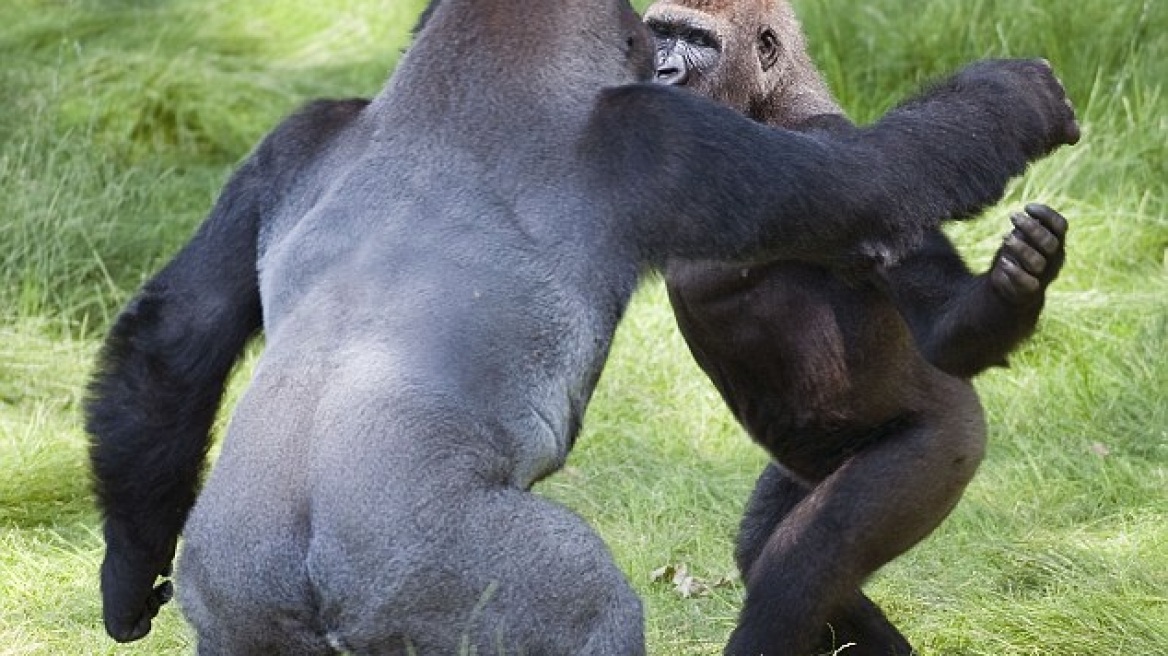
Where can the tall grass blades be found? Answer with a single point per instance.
(120, 120)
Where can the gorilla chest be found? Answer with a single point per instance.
(793, 347)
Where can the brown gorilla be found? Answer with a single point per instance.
(854, 379)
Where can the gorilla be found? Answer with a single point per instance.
(438, 273)
(854, 379)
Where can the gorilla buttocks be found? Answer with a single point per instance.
(438, 273)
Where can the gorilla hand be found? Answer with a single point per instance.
(130, 598)
(1031, 255)
(1034, 84)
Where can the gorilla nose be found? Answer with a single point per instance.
(672, 75)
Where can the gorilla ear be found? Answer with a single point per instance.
(769, 48)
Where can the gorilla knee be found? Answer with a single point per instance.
(962, 428)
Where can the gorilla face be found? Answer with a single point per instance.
(687, 52)
(751, 56)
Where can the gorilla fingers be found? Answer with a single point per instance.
(1031, 255)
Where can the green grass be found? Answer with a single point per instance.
(119, 123)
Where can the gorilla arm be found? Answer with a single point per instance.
(965, 324)
(947, 153)
(162, 372)
(152, 402)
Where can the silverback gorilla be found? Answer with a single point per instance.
(438, 273)
(856, 382)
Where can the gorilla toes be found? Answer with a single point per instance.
(1031, 255)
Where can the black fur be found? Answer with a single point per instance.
(440, 273)
(424, 17)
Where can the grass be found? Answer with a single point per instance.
(120, 122)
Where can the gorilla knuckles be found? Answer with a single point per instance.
(827, 373)
(128, 617)
(438, 297)
(1044, 94)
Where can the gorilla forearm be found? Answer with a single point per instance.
(962, 323)
(1000, 309)
(868, 193)
(975, 330)
(152, 403)
(162, 373)
(965, 324)
(958, 324)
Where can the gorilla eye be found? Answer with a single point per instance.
(702, 39)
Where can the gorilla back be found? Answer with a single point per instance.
(440, 272)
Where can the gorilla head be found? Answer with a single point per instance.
(747, 54)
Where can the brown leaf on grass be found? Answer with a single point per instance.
(687, 585)
(1100, 449)
(663, 574)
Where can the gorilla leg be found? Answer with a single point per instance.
(544, 549)
(250, 619)
(775, 495)
(877, 505)
(511, 573)
(860, 625)
(254, 603)
(214, 641)
(857, 621)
